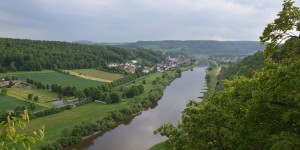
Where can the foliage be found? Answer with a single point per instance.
(261, 112)
(245, 67)
(30, 96)
(3, 91)
(282, 28)
(36, 98)
(50, 111)
(9, 136)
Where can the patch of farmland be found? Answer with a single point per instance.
(53, 77)
(10, 103)
(94, 74)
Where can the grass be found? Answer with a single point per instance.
(22, 91)
(56, 123)
(51, 77)
(10, 103)
(94, 74)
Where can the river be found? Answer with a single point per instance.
(137, 133)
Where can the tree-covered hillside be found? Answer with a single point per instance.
(245, 67)
(30, 55)
(208, 47)
(259, 112)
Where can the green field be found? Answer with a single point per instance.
(22, 91)
(94, 74)
(10, 103)
(51, 77)
(56, 123)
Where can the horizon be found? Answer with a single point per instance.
(95, 42)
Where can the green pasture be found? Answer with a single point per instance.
(10, 103)
(53, 77)
(22, 91)
(56, 123)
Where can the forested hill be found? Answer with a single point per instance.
(208, 47)
(245, 67)
(20, 54)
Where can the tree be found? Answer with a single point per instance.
(9, 136)
(79, 94)
(3, 91)
(107, 98)
(32, 106)
(29, 96)
(282, 28)
(36, 98)
(115, 97)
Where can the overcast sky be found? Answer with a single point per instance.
(134, 20)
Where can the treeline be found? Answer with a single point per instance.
(30, 55)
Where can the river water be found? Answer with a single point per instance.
(137, 133)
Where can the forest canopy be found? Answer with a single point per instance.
(31, 55)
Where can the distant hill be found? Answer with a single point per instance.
(208, 47)
(96, 43)
(84, 42)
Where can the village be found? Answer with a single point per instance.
(226, 59)
(168, 64)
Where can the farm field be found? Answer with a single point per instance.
(22, 91)
(94, 74)
(69, 118)
(10, 103)
(51, 77)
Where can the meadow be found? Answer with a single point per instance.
(10, 103)
(22, 91)
(66, 120)
(94, 74)
(53, 77)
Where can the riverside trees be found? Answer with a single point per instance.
(261, 112)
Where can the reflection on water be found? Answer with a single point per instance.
(137, 133)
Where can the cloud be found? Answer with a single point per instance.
(132, 20)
